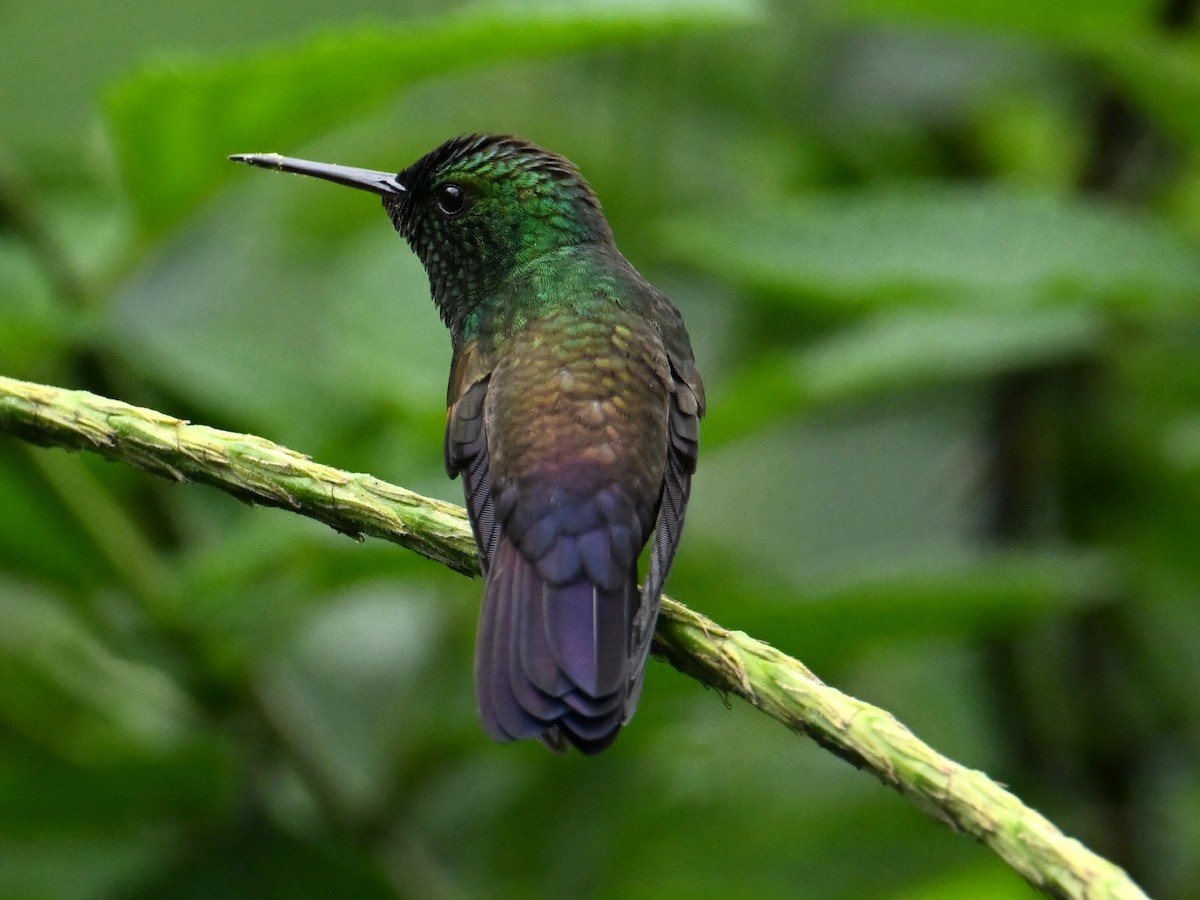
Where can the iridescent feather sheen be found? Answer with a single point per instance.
(574, 405)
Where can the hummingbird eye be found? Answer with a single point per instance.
(451, 199)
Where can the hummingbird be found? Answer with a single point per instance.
(573, 419)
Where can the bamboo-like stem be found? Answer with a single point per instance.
(259, 471)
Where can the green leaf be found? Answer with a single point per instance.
(82, 862)
(897, 351)
(256, 860)
(943, 245)
(976, 880)
(352, 688)
(1163, 76)
(1161, 73)
(977, 594)
(175, 124)
(38, 538)
(911, 348)
(63, 689)
(1067, 19)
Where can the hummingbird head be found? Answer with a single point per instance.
(474, 209)
(492, 203)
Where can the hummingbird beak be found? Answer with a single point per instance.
(382, 183)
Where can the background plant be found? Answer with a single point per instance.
(939, 264)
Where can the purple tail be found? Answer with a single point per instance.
(553, 661)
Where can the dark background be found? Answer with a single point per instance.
(939, 263)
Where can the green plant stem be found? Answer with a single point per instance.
(259, 471)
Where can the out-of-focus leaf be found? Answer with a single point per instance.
(1163, 76)
(40, 792)
(337, 753)
(284, 352)
(897, 351)
(905, 349)
(755, 398)
(255, 860)
(979, 882)
(1031, 140)
(33, 327)
(78, 862)
(1065, 19)
(174, 124)
(887, 485)
(1181, 444)
(936, 245)
(62, 688)
(350, 689)
(37, 536)
(824, 620)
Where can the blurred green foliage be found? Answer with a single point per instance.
(939, 261)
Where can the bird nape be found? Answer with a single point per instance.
(574, 409)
